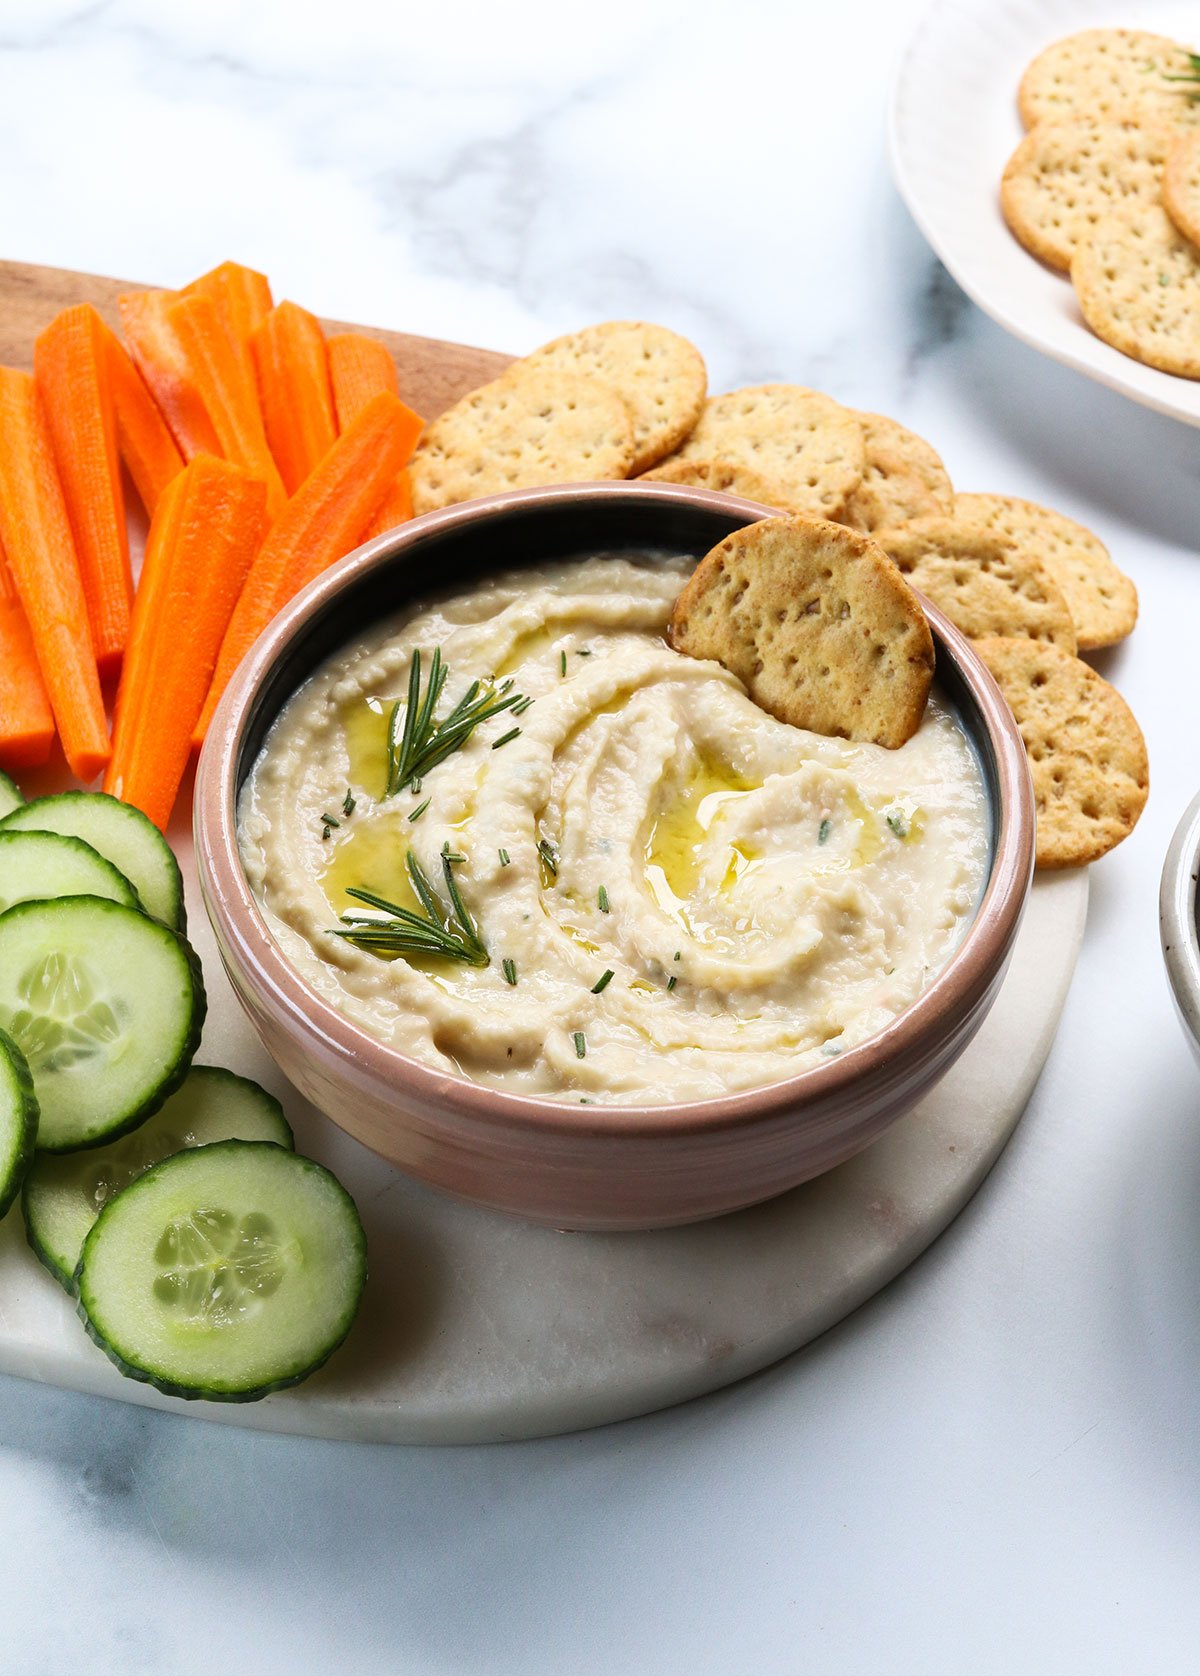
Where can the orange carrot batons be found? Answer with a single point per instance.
(159, 357)
(26, 720)
(144, 441)
(323, 521)
(202, 542)
(292, 369)
(36, 533)
(359, 368)
(221, 377)
(71, 371)
(396, 507)
(243, 298)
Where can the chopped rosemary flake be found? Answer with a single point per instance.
(671, 982)
(391, 929)
(583, 651)
(602, 899)
(521, 706)
(679, 954)
(823, 831)
(348, 802)
(898, 825)
(451, 855)
(603, 981)
(510, 971)
(420, 809)
(562, 663)
(330, 820)
(504, 857)
(416, 742)
(511, 734)
(580, 1045)
(549, 856)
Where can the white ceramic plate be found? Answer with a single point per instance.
(954, 123)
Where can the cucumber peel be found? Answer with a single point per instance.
(18, 1119)
(10, 796)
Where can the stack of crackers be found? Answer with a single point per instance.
(1106, 187)
(1032, 588)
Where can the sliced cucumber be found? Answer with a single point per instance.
(18, 1119)
(46, 864)
(10, 796)
(122, 835)
(62, 1196)
(106, 1004)
(225, 1272)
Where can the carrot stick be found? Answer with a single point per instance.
(292, 369)
(397, 506)
(222, 379)
(243, 298)
(71, 371)
(36, 532)
(360, 368)
(159, 357)
(202, 541)
(323, 521)
(26, 720)
(143, 439)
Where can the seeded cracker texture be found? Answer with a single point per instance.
(904, 477)
(727, 477)
(660, 377)
(1138, 283)
(1086, 752)
(1106, 72)
(1181, 185)
(984, 584)
(821, 629)
(517, 433)
(1065, 175)
(1102, 600)
(805, 443)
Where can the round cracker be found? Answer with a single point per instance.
(1138, 283)
(1107, 72)
(1090, 772)
(1065, 175)
(727, 477)
(516, 433)
(660, 377)
(822, 630)
(1102, 600)
(1181, 185)
(806, 443)
(981, 580)
(904, 477)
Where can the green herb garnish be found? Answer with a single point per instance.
(583, 651)
(603, 981)
(348, 802)
(419, 810)
(520, 707)
(1191, 74)
(678, 954)
(580, 1045)
(602, 899)
(329, 822)
(562, 663)
(416, 742)
(510, 971)
(823, 831)
(391, 929)
(505, 738)
(549, 856)
(504, 857)
(671, 982)
(898, 825)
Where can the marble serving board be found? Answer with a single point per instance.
(478, 1328)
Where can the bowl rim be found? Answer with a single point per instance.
(1177, 927)
(936, 1015)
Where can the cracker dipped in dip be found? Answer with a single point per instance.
(666, 893)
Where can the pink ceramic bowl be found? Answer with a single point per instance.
(571, 1166)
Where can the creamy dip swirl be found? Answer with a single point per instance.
(762, 896)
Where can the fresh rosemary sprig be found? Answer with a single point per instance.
(390, 929)
(416, 742)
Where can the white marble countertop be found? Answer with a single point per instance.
(992, 1467)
